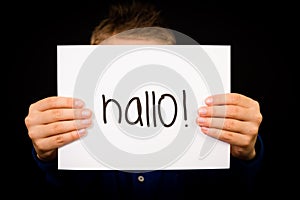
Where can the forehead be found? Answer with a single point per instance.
(123, 41)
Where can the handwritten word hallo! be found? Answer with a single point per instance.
(156, 109)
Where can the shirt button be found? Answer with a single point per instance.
(141, 179)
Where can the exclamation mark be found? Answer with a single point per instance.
(184, 107)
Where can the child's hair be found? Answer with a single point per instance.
(132, 21)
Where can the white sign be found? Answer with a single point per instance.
(144, 100)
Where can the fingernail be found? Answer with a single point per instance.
(81, 132)
(202, 110)
(86, 121)
(204, 129)
(209, 100)
(200, 119)
(78, 103)
(86, 113)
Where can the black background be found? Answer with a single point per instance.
(259, 35)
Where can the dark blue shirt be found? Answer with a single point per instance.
(160, 184)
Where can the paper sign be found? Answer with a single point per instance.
(144, 100)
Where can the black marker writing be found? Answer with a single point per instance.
(135, 101)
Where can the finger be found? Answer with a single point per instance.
(229, 137)
(56, 102)
(57, 128)
(59, 140)
(54, 115)
(223, 123)
(230, 99)
(229, 111)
